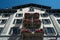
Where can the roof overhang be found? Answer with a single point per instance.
(8, 10)
(31, 4)
(14, 9)
(53, 10)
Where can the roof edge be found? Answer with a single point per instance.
(8, 10)
(31, 4)
(53, 10)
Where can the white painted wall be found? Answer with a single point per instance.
(26, 10)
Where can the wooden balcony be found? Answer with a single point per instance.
(30, 36)
(36, 23)
(28, 16)
(36, 16)
(27, 23)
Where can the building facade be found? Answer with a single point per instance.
(30, 19)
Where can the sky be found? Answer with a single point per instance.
(55, 4)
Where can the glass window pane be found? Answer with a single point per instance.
(1, 29)
(58, 21)
(42, 9)
(14, 30)
(3, 21)
(31, 9)
(17, 21)
(6, 15)
(49, 30)
(46, 21)
(11, 31)
(14, 21)
(19, 15)
(44, 15)
(57, 15)
(0, 21)
(21, 9)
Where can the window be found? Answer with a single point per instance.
(3, 21)
(0, 21)
(19, 15)
(58, 21)
(20, 9)
(44, 15)
(31, 9)
(17, 21)
(14, 30)
(46, 21)
(49, 30)
(1, 29)
(11, 31)
(6, 15)
(42, 9)
(57, 15)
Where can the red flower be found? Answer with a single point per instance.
(25, 30)
(37, 30)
